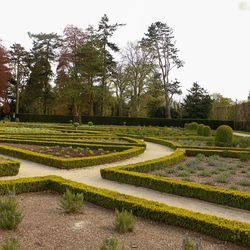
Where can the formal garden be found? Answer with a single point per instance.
(62, 211)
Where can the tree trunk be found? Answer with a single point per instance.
(17, 93)
(167, 105)
(91, 98)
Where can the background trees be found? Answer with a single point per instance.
(159, 41)
(81, 73)
(4, 80)
(198, 103)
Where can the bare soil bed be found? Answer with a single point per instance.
(65, 152)
(213, 170)
(46, 226)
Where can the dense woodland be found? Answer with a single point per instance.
(78, 73)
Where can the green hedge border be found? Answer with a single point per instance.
(9, 167)
(61, 141)
(135, 174)
(70, 163)
(223, 229)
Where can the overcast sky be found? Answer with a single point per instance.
(213, 35)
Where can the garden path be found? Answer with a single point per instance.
(91, 176)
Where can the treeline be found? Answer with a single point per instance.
(76, 73)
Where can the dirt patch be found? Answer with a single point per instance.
(213, 170)
(45, 226)
(64, 152)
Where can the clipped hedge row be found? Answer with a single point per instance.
(9, 167)
(115, 120)
(227, 230)
(221, 152)
(126, 141)
(116, 147)
(70, 163)
(135, 174)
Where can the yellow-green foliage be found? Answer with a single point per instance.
(206, 131)
(200, 129)
(70, 163)
(8, 167)
(224, 136)
(227, 230)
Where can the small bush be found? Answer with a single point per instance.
(187, 244)
(10, 217)
(110, 244)
(90, 124)
(206, 131)
(191, 126)
(10, 244)
(17, 120)
(76, 125)
(124, 221)
(244, 182)
(244, 157)
(224, 136)
(70, 202)
(200, 129)
(200, 157)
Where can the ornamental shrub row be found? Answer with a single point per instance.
(135, 174)
(71, 141)
(116, 147)
(9, 167)
(115, 120)
(227, 230)
(70, 163)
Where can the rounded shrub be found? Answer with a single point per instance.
(191, 126)
(90, 124)
(206, 131)
(224, 136)
(200, 129)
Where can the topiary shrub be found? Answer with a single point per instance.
(206, 131)
(90, 124)
(191, 126)
(224, 136)
(200, 129)
(76, 125)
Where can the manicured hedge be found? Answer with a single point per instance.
(224, 153)
(135, 174)
(227, 230)
(117, 147)
(8, 167)
(115, 120)
(70, 163)
(72, 140)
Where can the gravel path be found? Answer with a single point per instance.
(91, 176)
(241, 134)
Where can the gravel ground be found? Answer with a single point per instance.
(45, 226)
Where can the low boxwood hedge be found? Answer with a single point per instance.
(69, 163)
(135, 174)
(8, 167)
(224, 229)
